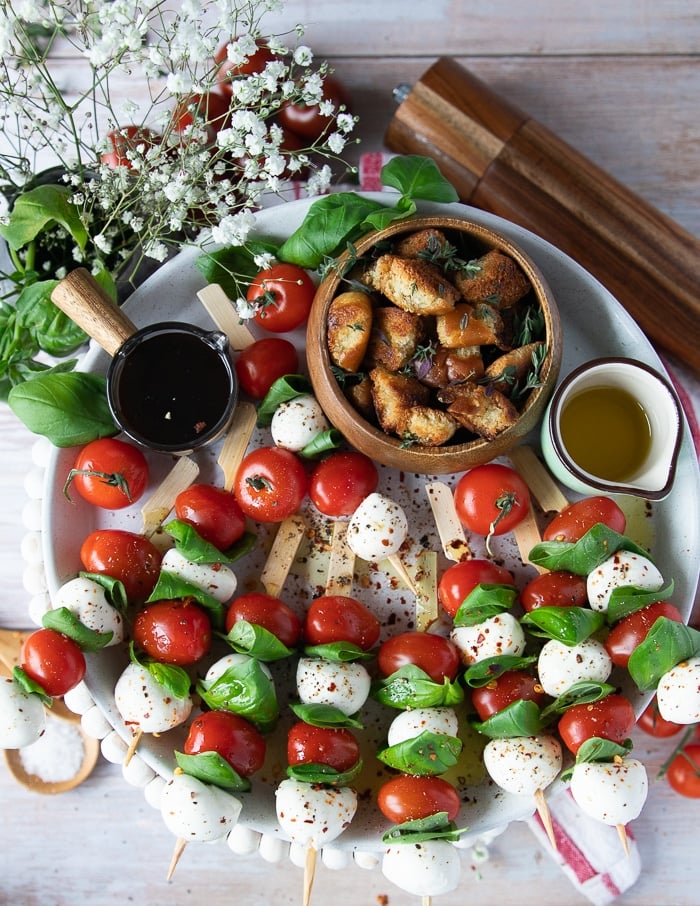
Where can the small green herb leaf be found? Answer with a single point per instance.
(323, 773)
(245, 689)
(418, 177)
(582, 693)
(410, 687)
(628, 600)
(483, 602)
(434, 827)
(190, 543)
(63, 620)
(319, 715)
(667, 644)
(286, 388)
(210, 767)
(568, 625)
(339, 652)
(520, 718)
(484, 672)
(256, 641)
(583, 556)
(427, 754)
(170, 585)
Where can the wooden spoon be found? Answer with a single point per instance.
(11, 641)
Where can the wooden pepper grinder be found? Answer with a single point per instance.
(503, 161)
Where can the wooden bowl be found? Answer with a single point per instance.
(389, 450)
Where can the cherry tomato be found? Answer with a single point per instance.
(631, 631)
(340, 483)
(109, 473)
(125, 141)
(229, 735)
(409, 798)
(173, 631)
(123, 555)
(576, 519)
(270, 484)
(684, 772)
(308, 121)
(334, 618)
(556, 589)
(459, 580)
(653, 724)
(213, 512)
(209, 111)
(268, 612)
(434, 654)
(336, 747)
(509, 687)
(259, 365)
(228, 71)
(283, 293)
(491, 499)
(610, 718)
(53, 661)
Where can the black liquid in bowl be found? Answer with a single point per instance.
(172, 387)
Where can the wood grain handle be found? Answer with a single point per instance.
(81, 297)
(503, 161)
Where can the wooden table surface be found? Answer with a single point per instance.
(619, 81)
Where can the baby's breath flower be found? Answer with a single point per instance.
(102, 243)
(246, 310)
(156, 250)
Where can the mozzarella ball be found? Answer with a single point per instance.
(425, 869)
(559, 666)
(214, 579)
(622, 569)
(297, 422)
(678, 693)
(22, 715)
(498, 635)
(523, 764)
(145, 704)
(611, 792)
(345, 686)
(409, 724)
(87, 600)
(314, 815)
(218, 668)
(194, 810)
(377, 528)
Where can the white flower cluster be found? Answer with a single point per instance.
(194, 165)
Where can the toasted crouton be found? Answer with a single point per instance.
(360, 395)
(498, 280)
(484, 412)
(427, 426)
(394, 338)
(471, 325)
(349, 326)
(448, 366)
(512, 367)
(412, 284)
(417, 244)
(393, 395)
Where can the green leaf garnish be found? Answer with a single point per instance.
(483, 602)
(667, 643)
(170, 585)
(427, 754)
(411, 687)
(583, 556)
(630, 599)
(210, 767)
(484, 672)
(114, 590)
(256, 641)
(245, 689)
(582, 693)
(323, 773)
(190, 543)
(339, 652)
(568, 625)
(286, 388)
(519, 718)
(434, 827)
(319, 715)
(63, 620)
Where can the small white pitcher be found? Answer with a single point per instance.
(653, 477)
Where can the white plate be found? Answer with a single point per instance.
(594, 325)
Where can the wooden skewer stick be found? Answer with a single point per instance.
(449, 528)
(180, 845)
(425, 901)
(426, 586)
(622, 834)
(282, 553)
(162, 500)
(309, 874)
(527, 535)
(133, 746)
(341, 564)
(541, 484)
(225, 316)
(236, 441)
(544, 813)
(399, 568)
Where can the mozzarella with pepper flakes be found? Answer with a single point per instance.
(622, 569)
(559, 666)
(678, 693)
(22, 715)
(523, 764)
(314, 814)
(377, 528)
(425, 869)
(215, 579)
(409, 724)
(86, 599)
(344, 686)
(196, 811)
(297, 422)
(143, 703)
(611, 792)
(498, 635)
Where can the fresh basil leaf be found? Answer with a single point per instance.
(63, 620)
(667, 644)
(328, 224)
(319, 715)
(484, 672)
(434, 827)
(630, 599)
(69, 408)
(170, 586)
(519, 718)
(243, 546)
(190, 543)
(172, 677)
(256, 641)
(233, 268)
(426, 754)
(30, 686)
(568, 625)
(323, 773)
(40, 209)
(288, 387)
(379, 220)
(53, 331)
(322, 443)
(582, 693)
(339, 652)
(483, 602)
(244, 689)
(410, 687)
(418, 177)
(583, 556)
(113, 588)
(210, 767)
(597, 749)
